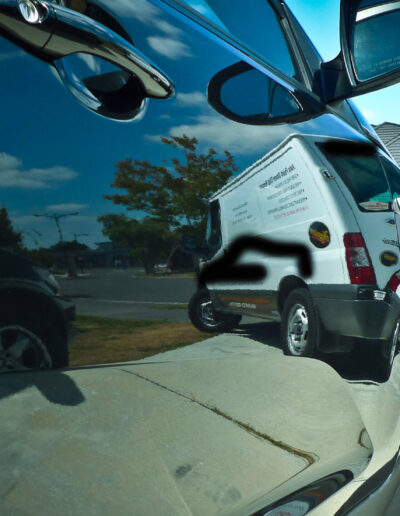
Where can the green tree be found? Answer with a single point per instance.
(8, 236)
(41, 256)
(179, 197)
(147, 238)
(72, 245)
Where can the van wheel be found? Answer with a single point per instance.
(389, 350)
(205, 318)
(301, 327)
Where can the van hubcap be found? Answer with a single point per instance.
(207, 312)
(297, 330)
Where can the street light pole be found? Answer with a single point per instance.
(56, 217)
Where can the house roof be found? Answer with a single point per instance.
(389, 133)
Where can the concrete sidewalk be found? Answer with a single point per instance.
(199, 430)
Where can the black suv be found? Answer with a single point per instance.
(34, 318)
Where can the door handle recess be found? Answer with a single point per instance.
(51, 32)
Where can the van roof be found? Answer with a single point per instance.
(233, 181)
(247, 172)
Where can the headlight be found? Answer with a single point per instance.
(49, 279)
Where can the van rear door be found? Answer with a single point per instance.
(361, 175)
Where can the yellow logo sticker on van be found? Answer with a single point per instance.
(388, 258)
(319, 235)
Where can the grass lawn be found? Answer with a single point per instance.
(102, 340)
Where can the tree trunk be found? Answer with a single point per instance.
(72, 271)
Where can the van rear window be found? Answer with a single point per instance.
(364, 177)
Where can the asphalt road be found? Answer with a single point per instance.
(124, 294)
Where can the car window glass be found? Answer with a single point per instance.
(265, 37)
(213, 233)
(365, 179)
(393, 175)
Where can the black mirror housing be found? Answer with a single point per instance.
(246, 95)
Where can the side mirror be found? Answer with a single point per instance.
(396, 205)
(370, 41)
(246, 95)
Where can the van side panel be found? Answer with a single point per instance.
(284, 198)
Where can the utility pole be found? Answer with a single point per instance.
(69, 255)
(56, 217)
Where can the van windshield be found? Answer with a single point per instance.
(213, 232)
(364, 177)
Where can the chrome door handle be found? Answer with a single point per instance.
(51, 32)
(392, 222)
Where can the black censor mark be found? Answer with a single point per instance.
(225, 270)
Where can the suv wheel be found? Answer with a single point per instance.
(301, 328)
(30, 342)
(205, 318)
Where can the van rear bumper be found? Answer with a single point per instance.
(351, 310)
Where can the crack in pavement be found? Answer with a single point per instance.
(309, 457)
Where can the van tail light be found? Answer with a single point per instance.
(358, 260)
(394, 281)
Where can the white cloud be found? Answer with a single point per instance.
(12, 174)
(12, 55)
(8, 162)
(371, 116)
(195, 98)
(166, 27)
(171, 48)
(140, 9)
(223, 134)
(91, 62)
(146, 13)
(66, 207)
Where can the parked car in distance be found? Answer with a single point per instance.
(35, 319)
(161, 268)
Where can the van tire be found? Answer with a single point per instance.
(389, 350)
(204, 317)
(301, 328)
